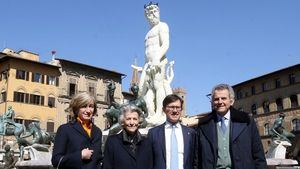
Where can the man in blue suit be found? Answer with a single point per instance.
(173, 145)
(228, 138)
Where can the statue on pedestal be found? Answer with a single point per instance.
(155, 82)
(279, 132)
(7, 125)
(8, 158)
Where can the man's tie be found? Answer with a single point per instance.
(174, 149)
(223, 125)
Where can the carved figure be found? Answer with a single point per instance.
(8, 158)
(279, 132)
(113, 112)
(7, 125)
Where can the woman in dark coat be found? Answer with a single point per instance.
(78, 143)
(128, 149)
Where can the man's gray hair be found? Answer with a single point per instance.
(129, 108)
(223, 87)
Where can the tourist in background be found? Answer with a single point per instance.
(78, 143)
(228, 138)
(174, 146)
(128, 149)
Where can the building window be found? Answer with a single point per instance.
(253, 90)
(92, 89)
(20, 97)
(51, 101)
(294, 101)
(36, 99)
(37, 77)
(72, 87)
(3, 75)
(253, 109)
(279, 104)
(239, 94)
(266, 107)
(20, 121)
(3, 96)
(296, 125)
(292, 78)
(21, 74)
(266, 129)
(50, 126)
(277, 83)
(263, 87)
(52, 80)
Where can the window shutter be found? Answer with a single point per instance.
(42, 100)
(43, 78)
(47, 80)
(15, 96)
(32, 77)
(57, 81)
(27, 76)
(26, 98)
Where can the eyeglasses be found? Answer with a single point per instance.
(174, 107)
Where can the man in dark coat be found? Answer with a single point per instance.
(228, 138)
(161, 138)
(128, 149)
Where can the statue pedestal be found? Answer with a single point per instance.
(37, 159)
(277, 152)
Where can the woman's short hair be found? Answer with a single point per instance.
(81, 100)
(129, 108)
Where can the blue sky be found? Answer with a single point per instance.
(211, 41)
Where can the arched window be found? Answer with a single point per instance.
(294, 101)
(266, 129)
(279, 104)
(266, 107)
(296, 125)
(253, 109)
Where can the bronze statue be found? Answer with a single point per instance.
(279, 132)
(8, 158)
(7, 125)
(140, 103)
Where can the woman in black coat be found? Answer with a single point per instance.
(78, 143)
(129, 149)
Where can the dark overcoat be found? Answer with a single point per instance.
(157, 137)
(118, 154)
(70, 139)
(246, 149)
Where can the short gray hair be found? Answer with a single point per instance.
(129, 108)
(223, 87)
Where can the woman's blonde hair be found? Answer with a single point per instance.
(81, 100)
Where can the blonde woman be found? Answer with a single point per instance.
(78, 143)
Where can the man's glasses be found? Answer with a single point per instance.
(174, 107)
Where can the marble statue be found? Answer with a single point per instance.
(154, 81)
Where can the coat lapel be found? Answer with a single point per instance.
(77, 126)
(186, 141)
(161, 135)
(210, 132)
(237, 129)
(125, 145)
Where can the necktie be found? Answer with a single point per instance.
(223, 125)
(174, 149)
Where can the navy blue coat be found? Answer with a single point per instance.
(157, 137)
(70, 139)
(246, 149)
(118, 154)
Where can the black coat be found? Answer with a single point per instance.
(246, 149)
(157, 137)
(118, 154)
(70, 139)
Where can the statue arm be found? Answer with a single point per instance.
(164, 39)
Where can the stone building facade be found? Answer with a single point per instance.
(30, 87)
(77, 77)
(268, 95)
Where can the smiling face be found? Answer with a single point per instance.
(86, 112)
(173, 111)
(131, 122)
(221, 101)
